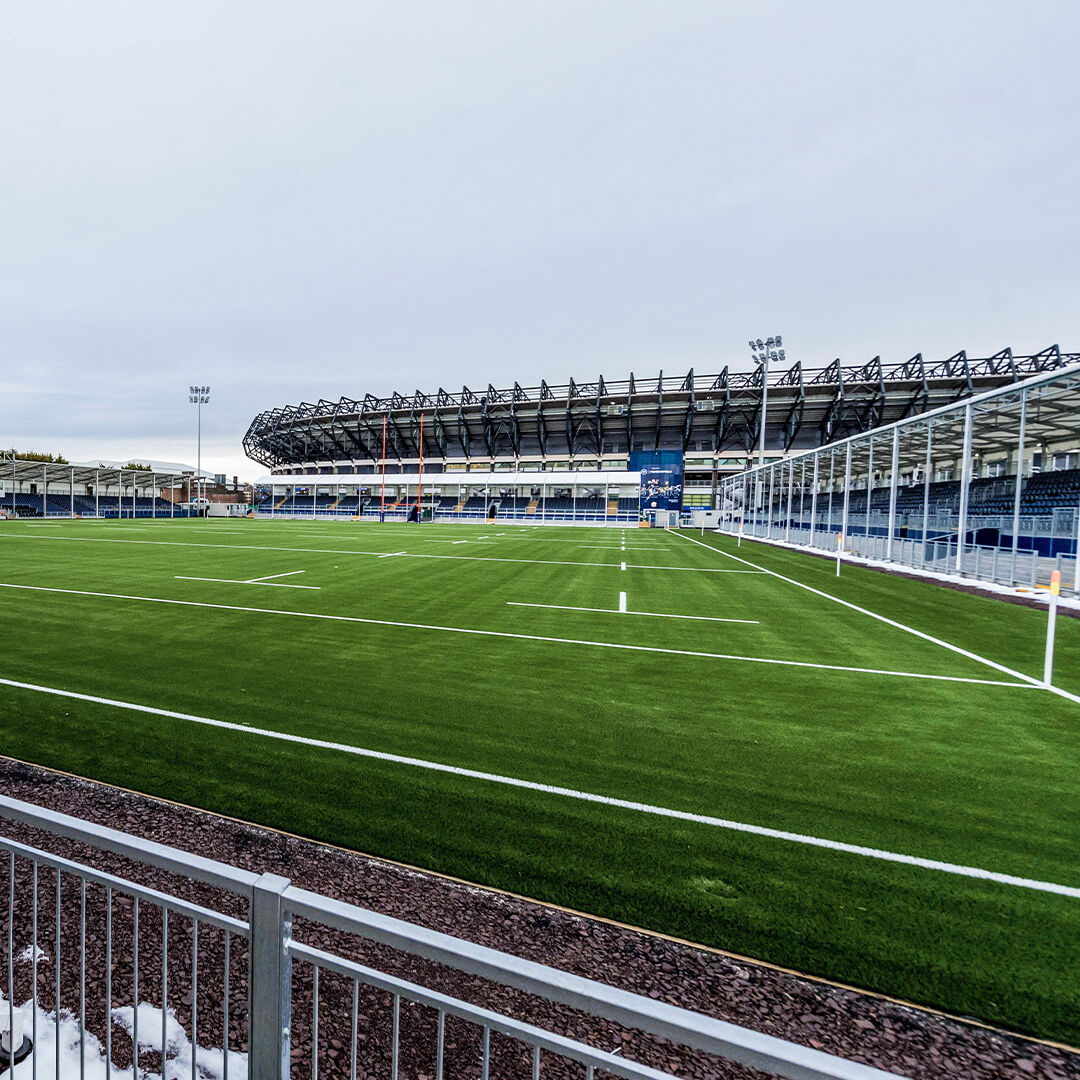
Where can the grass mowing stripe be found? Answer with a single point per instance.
(518, 637)
(572, 793)
(1031, 680)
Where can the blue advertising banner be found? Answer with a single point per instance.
(661, 473)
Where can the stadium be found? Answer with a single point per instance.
(439, 642)
(427, 591)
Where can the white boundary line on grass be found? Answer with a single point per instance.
(5, 535)
(517, 637)
(1030, 680)
(239, 581)
(623, 611)
(572, 793)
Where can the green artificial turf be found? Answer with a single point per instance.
(962, 772)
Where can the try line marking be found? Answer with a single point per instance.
(572, 793)
(623, 611)
(1030, 680)
(513, 636)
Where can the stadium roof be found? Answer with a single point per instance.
(711, 413)
(26, 470)
(1051, 416)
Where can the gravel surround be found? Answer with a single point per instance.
(892, 1036)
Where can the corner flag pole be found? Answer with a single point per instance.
(1055, 590)
(382, 502)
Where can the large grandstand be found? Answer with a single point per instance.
(566, 452)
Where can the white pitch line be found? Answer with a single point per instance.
(1030, 680)
(622, 566)
(622, 610)
(572, 793)
(270, 577)
(235, 581)
(507, 634)
(6, 535)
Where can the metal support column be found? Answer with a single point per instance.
(790, 486)
(965, 481)
(893, 483)
(813, 500)
(847, 497)
(1019, 481)
(270, 1006)
(869, 490)
(926, 484)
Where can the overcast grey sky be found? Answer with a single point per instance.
(294, 201)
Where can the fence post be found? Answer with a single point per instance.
(270, 981)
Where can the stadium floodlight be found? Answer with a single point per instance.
(199, 396)
(762, 352)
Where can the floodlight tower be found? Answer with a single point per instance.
(762, 352)
(199, 396)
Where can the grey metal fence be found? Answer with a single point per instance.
(140, 974)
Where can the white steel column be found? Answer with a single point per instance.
(790, 486)
(869, 491)
(802, 494)
(832, 488)
(847, 497)
(772, 488)
(965, 481)
(926, 484)
(892, 491)
(813, 499)
(97, 493)
(72, 492)
(1019, 479)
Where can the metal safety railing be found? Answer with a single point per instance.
(1012, 567)
(278, 982)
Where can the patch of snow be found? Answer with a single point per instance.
(86, 1057)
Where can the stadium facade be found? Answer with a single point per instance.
(595, 450)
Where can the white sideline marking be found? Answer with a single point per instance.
(621, 610)
(509, 635)
(458, 542)
(5, 535)
(1030, 680)
(572, 793)
(235, 581)
(622, 566)
(270, 577)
